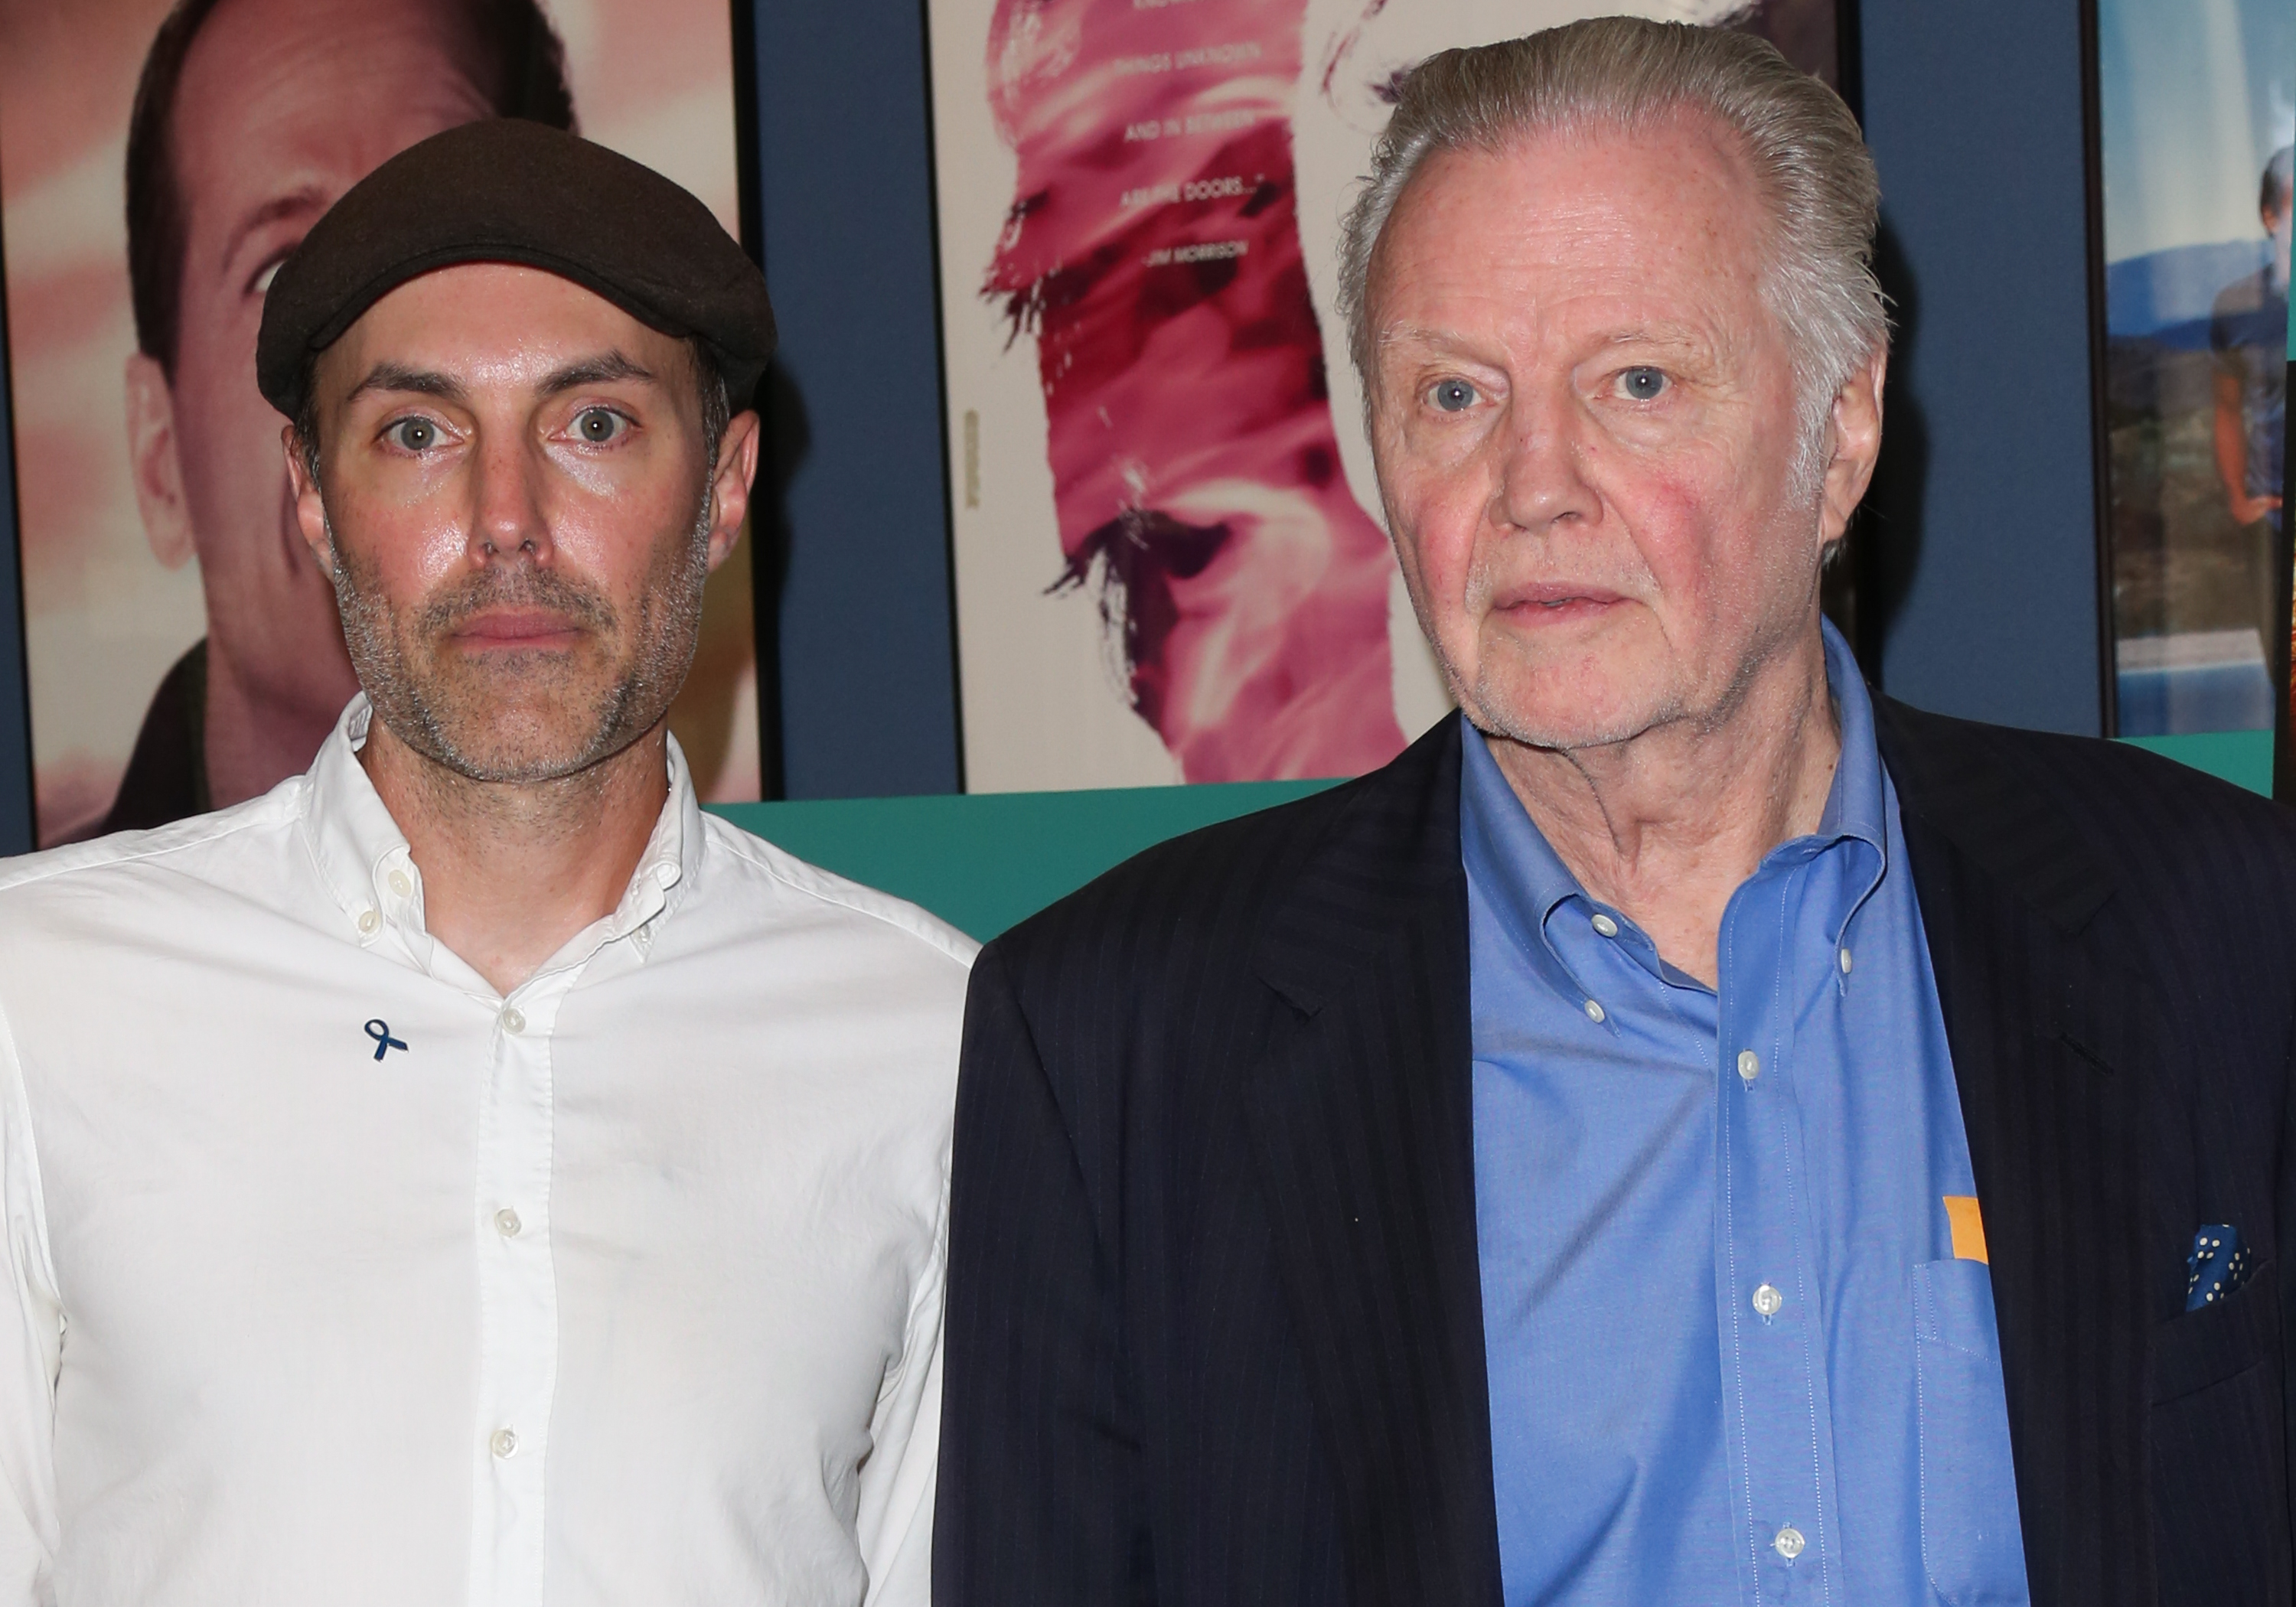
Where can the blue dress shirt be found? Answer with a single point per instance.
(1733, 1355)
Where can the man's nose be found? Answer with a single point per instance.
(509, 519)
(1542, 478)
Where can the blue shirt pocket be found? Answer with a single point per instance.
(1971, 1545)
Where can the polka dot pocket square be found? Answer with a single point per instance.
(2219, 1263)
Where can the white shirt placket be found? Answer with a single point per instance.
(518, 1300)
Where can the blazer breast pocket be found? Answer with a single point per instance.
(1972, 1548)
(2219, 1471)
(2200, 1348)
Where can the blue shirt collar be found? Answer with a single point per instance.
(1509, 861)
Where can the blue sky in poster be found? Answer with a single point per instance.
(2194, 95)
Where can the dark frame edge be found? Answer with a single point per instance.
(764, 589)
(2283, 752)
(2108, 684)
(19, 833)
(948, 469)
(1850, 58)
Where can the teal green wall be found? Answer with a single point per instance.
(984, 861)
(2242, 757)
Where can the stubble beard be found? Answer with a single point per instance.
(456, 719)
(1494, 701)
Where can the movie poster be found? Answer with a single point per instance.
(1170, 560)
(183, 647)
(2196, 107)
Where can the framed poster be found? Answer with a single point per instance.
(183, 648)
(2195, 107)
(2284, 732)
(1169, 558)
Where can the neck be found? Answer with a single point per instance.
(1665, 825)
(250, 744)
(511, 870)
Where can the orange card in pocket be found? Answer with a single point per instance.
(1968, 1227)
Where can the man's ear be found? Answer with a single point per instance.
(153, 464)
(310, 513)
(1855, 431)
(730, 480)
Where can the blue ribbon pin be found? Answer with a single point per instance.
(379, 1030)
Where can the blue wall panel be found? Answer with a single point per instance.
(1982, 536)
(868, 677)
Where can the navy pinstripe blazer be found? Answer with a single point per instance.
(1215, 1328)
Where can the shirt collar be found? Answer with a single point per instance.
(1855, 807)
(362, 857)
(1511, 863)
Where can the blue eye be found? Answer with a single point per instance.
(1642, 384)
(413, 435)
(598, 425)
(1453, 395)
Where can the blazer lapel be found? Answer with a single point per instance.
(1361, 1118)
(2050, 1040)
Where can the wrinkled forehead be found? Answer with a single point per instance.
(1571, 241)
(264, 78)
(1675, 194)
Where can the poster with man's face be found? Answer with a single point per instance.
(1170, 564)
(157, 164)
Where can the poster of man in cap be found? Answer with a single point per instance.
(157, 162)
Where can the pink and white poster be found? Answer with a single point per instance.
(1170, 560)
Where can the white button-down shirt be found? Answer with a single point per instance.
(333, 1276)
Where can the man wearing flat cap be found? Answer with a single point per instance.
(467, 1172)
(1692, 1129)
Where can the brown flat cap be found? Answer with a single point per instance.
(511, 191)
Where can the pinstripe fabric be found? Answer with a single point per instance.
(1215, 1330)
(2115, 946)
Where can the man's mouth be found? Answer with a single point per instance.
(512, 629)
(1554, 602)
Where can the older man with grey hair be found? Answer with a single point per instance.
(1691, 1129)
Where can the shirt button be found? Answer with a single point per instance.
(1845, 962)
(1593, 1011)
(1604, 925)
(505, 1442)
(1749, 1064)
(1767, 1300)
(369, 921)
(506, 1223)
(511, 1021)
(401, 883)
(1789, 1543)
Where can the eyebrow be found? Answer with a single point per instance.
(388, 376)
(397, 377)
(1406, 333)
(271, 212)
(1646, 333)
(601, 370)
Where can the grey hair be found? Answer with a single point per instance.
(1800, 142)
